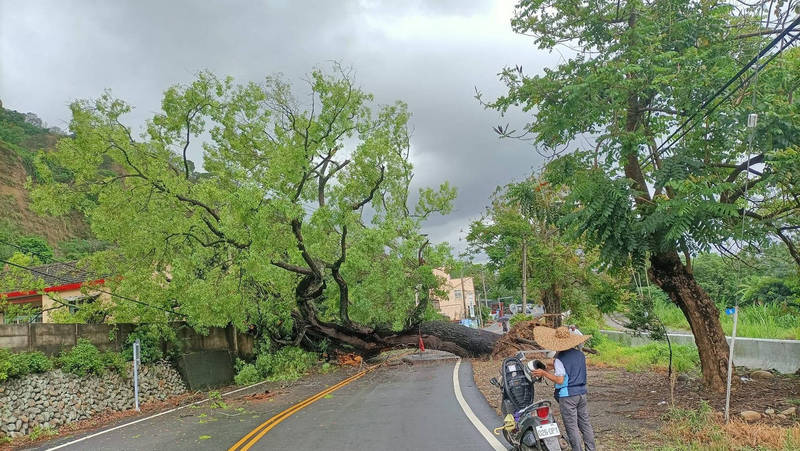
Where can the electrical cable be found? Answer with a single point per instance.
(126, 298)
(666, 144)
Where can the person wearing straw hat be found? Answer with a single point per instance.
(569, 377)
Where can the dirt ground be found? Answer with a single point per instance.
(626, 408)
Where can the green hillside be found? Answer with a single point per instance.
(22, 138)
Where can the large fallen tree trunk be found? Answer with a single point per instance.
(451, 337)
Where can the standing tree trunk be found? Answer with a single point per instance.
(670, 274)
(551, 299)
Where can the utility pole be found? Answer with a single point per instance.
(463, 293)
(524, 274)
(485, 298)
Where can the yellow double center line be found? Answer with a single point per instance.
(255, 435)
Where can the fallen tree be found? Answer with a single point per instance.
(300, 227)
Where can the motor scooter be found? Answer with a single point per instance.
(527, 425)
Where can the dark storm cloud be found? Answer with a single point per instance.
(430, 54)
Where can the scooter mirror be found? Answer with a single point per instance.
(494, 382)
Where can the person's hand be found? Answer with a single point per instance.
(538, 372)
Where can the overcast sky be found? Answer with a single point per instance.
(430, 54)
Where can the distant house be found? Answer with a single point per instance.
(453, 305)
(64, 283)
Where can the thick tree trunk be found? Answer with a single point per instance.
(669, 273)
(451, 337)
(551, 299)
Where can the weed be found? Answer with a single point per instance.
(215, 400)
(702, 428)
(39, 432)
(326, 368)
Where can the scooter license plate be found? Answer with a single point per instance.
(547, 430)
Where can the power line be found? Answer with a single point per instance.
(666, 145)
(136, 301)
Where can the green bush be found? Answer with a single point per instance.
(150, 342)
(85, 359)
(5, 364)
(115, 361)
(18, 365)
(287, 363)
(30, 362)
(248, 374)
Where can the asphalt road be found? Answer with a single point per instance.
(395, 408)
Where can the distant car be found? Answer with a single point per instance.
(517, 308)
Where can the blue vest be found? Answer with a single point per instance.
(575, 381)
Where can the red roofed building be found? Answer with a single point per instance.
(64, 284)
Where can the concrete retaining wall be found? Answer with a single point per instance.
(52, 338)
(757, 353)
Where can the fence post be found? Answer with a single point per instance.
(136, 351)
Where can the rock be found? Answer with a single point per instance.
(683, 377)
(789, 412)
(750, 416)
(761, 374)
(770, 411)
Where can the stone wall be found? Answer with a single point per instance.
(53, 399)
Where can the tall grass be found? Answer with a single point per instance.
(652, 356)
(755, 321)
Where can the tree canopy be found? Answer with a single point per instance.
(301, 205)
(637, 71)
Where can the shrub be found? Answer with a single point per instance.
(248, 374)
(18, 365)
(150, 342)
(287, 363)
(85, 359)
(5, 364)
(115, 361)
(30, 362)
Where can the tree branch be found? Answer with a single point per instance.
(292, 268)
(372, 192)
(737, 169)
(298, 234)
(344, 297)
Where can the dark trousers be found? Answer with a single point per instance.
(575, 414)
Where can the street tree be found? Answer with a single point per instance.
(520, 235)
(299, 227)
(633, 73)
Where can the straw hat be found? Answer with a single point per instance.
(557, 339)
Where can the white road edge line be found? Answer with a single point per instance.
(493, 442)
(64, 445)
